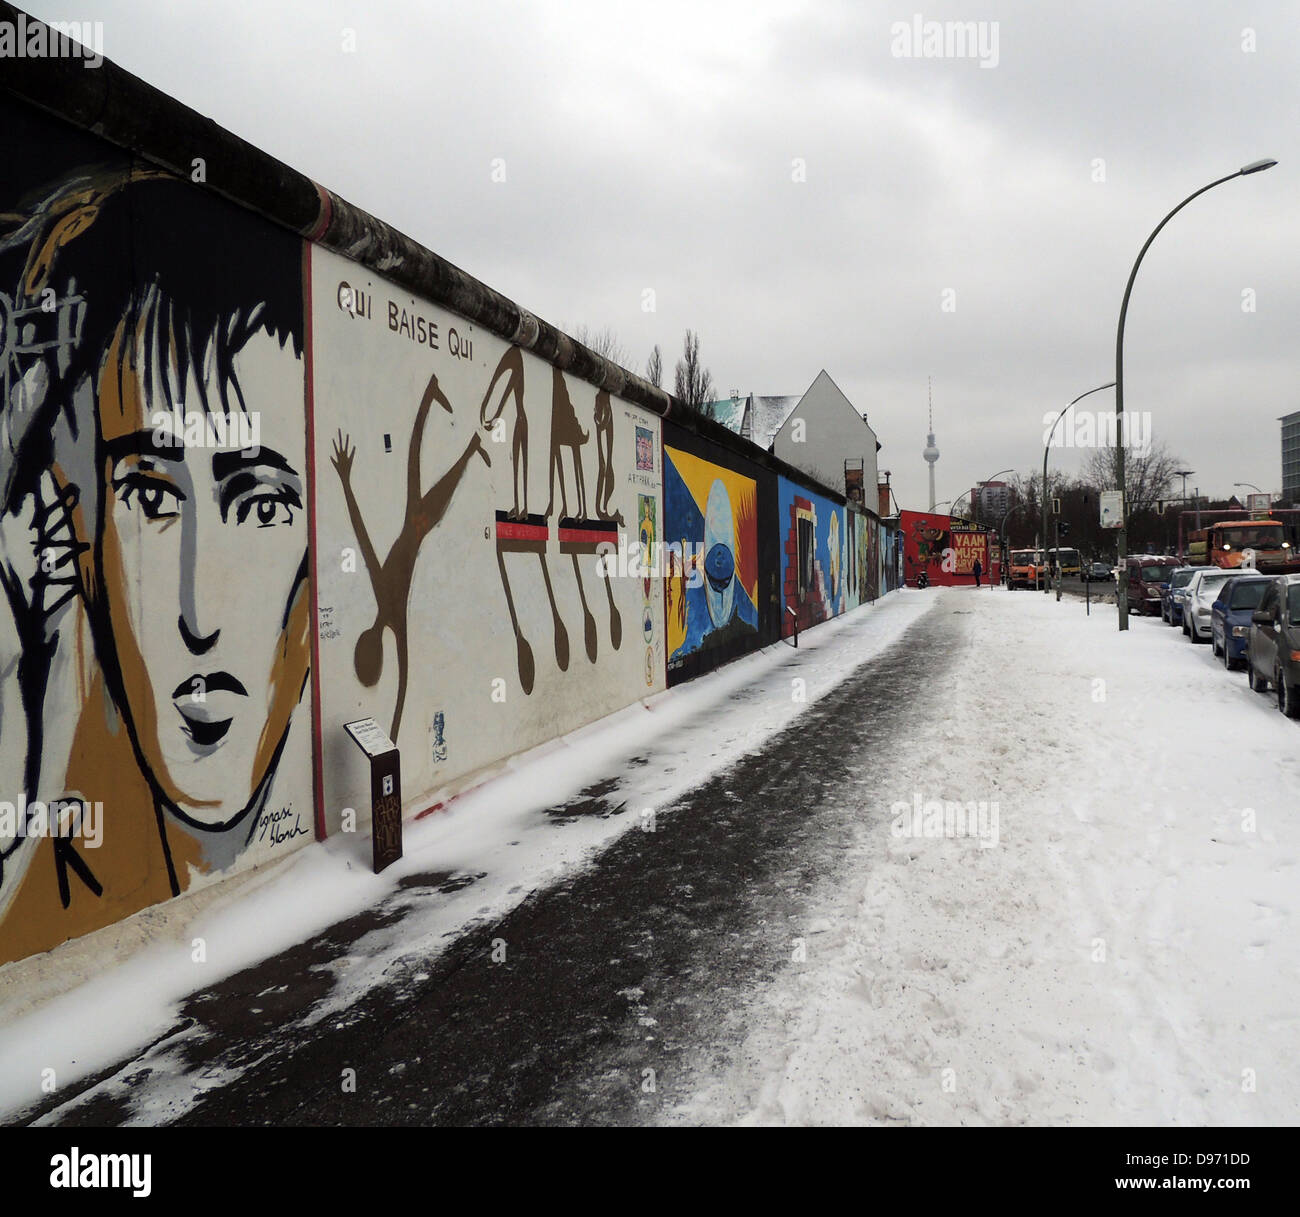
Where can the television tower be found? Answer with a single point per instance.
(931, 452)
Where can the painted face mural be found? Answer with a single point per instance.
(154, 462)
(719, 555)
(711, 519)
(212, 662)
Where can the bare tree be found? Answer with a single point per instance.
(693, 383)
(605, 343)
(654, 368)
(1148, 474)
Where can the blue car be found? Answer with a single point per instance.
(1230, 616)
(1174, 596)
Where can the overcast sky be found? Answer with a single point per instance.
(653, 144)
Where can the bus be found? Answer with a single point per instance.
(1068, 559)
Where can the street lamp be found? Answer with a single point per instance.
(1110, 384)
(1252, 485)
(1122, 540)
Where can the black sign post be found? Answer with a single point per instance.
(385, 790)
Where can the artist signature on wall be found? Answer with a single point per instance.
(274, 827)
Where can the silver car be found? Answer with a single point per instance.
(1171, 608)
(1202, 592)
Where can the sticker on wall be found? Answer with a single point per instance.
(645, 449)
(439, 747)
(646, 537)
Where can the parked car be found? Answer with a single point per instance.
(1147, 576)
(1273, 649)
(1174, 596)
(1097, 572)
(1230, 616)
(1202, 592)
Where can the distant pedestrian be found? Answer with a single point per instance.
(979, 570)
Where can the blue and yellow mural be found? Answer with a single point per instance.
(711, 530)
(814, 557)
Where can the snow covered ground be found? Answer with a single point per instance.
(496, 841)
(1110, 940)
(1126, 953)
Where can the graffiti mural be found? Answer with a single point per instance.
(494, 484)
(812, 558)
(945, 549)
(390, 580)
(860, 580)
(154, 543)
(711, 527)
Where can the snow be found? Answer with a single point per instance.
(1126, 954)
(1113, 943)
(496, 835)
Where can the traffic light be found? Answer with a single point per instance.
(1065, 528)
(1056, 507)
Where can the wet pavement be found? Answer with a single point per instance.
(598, 1001)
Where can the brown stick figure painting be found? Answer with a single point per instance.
(566, 432)
(604, 420)
(512, 368)
(520, 532)
(391, 580)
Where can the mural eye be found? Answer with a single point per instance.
(155, 499)
(267, 510)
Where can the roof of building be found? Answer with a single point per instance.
(765, 416)
(728, 411)
(755, 418)
(759, 419)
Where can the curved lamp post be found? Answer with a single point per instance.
(1122, 540)
(1110, 384)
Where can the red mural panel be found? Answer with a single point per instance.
(947, 550)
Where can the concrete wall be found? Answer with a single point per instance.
(814, 558)
(862, 558)
(463, 488)
(720, 522)
(252, 489)
(154, 530)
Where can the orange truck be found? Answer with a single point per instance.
(1025, 568)
(1229, 543)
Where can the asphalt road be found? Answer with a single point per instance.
(634, 964)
